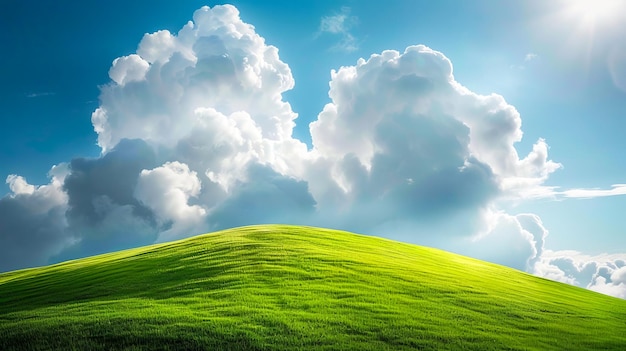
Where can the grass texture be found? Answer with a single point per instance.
(278, 287)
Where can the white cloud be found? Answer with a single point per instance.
(619, 276)
(167, 190)
(160, 46)
(210, 98)
(340, 24)
(44, 197)
(217, 61)
(223, 145)
(102, 214)
(32, 225)
(517, 241)
(602, 285)
(604, 273)
(333, 24)
(617, 66)
(18, 185)
(264, 196)
(530, 56)
(403, 116)
(617, 189)
(538, 191)
(40, 94)
(128, 69)
(527, 59)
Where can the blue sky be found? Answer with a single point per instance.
(126, 155)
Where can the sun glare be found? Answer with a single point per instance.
(582, 26)
(593, 12)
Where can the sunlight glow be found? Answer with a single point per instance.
(595, 10)
(579, 28)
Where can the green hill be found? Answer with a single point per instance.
(298, 288)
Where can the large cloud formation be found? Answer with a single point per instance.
(196, 136)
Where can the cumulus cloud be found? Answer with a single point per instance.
(516, 241)
(32, 225)
(196, 136)
(209, 99)
(265, 196)
(128, 69)
(216, 61)
(167, 190)
(102, 213)
(18, 185)
(604, 273)
(402, 133)
(607, 287)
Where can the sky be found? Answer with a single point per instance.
(488, 128)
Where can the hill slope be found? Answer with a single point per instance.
(287, 287)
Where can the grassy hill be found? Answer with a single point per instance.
(290, 288)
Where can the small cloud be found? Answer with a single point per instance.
(340, 24)
(348, 43)
(35, 95)
(527, 58)
(530, 56)
(617, 67)
(542, 192)
(616, 189)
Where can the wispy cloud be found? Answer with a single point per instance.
(543, 192)
(530, 56)
(340, 24)
(616, 189)
(617, 66)
(41, 94)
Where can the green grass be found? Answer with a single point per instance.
(298, 288)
